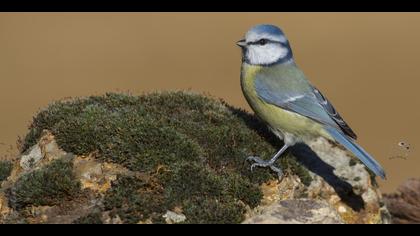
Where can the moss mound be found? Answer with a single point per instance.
(191, 147)
(5, 169)
(92, 218)
(49, 185)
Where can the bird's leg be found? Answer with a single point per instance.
(270, 163)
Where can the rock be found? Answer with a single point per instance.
(176, 158)
(4, 208)
(115, 220)
(173, 217)
(93, 175)
(404, 205)
(96, 176)
(43, 152)
(297, 211)
(27, 162)
(343, 182)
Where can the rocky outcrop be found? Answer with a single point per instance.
(338, 181)
(297, 211)
(19, 205)
(176, 158)
(404, 205)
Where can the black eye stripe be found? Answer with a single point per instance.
(258, 42)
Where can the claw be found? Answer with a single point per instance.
(253, 166)
(254, 159)
(262, 163)
(278, 171)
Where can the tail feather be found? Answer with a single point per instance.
(358, 151)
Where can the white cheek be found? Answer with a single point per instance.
(266, 54)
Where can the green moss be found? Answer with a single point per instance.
(92, 218)
(5, 169)
(48, 186)
(134, 199)
(200, 144)
(206, 195)
(209, 210)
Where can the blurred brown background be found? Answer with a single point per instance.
(366, 63)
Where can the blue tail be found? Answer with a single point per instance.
(358, 151)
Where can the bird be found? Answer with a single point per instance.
(281, 96)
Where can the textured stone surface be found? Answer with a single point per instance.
(96, 176)
(173, 217)
(341, 182)
(28, 161)
(297, 211)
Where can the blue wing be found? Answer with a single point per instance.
(307, 101)
(360, 153)
(292, 92)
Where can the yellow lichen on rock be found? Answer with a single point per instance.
(95, 175)
(275, 190)
(271, 192)
(4, 208)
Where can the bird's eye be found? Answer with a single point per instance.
(262, 41)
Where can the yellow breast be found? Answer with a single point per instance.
(276, 117)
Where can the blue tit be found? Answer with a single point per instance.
(281, 96)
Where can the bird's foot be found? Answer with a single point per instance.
(258, 162)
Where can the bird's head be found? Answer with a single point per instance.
(265, 45)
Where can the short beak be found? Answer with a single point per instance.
(241, 43)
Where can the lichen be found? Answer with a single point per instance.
(191, 147)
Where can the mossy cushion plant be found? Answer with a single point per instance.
(49, 185)
(5, 169)
(92, 218)
(192, 147)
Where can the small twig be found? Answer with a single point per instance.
(399, 157)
